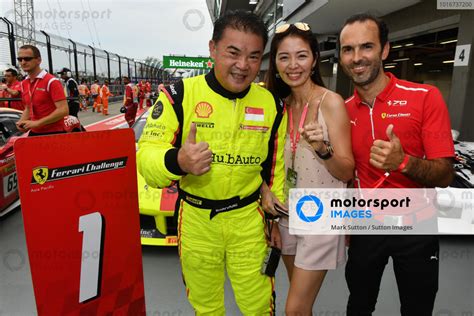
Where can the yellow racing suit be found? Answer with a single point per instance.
(220, 224)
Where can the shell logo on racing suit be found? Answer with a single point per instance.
(203, 110)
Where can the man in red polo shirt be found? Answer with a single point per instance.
(141, 93)
(401, 138)
(12, 89)
(130, 102)
(148, 93)
(43, 96)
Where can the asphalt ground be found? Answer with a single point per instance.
(89, 117)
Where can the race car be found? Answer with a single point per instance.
(9, 183)
(9, 196)
(157, 222)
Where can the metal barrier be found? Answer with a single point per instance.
(114, 98)
(9, 100)
(85, 61)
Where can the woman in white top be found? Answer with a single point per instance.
(318, 154)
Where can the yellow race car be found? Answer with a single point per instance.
(157, 223)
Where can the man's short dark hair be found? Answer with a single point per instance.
(362, 17)
(36, 52)
(126, 77)
(12, 71)
(240, 20)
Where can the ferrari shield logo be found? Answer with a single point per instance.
(40, 174)
(384, 115)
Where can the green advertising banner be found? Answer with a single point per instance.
(183, 62)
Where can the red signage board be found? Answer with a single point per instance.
(80, 210)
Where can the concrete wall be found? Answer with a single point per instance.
(461, 107)
(419, 19)
(457, 88)
(440, 80)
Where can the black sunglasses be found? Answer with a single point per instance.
(20, 59)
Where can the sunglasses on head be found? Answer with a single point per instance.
(20, 59)
(299, 25)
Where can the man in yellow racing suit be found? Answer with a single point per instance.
(220, 136)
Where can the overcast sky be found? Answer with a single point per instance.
(135, 29)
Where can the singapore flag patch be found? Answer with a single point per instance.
(254, 114)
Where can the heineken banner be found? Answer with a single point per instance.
(183, 62)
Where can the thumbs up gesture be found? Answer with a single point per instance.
(194, 158)
(387, 155)
(313, 132)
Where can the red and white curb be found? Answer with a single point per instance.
(113, 122)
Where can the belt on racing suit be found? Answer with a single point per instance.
(218, 206)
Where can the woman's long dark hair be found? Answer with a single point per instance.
(276, 85)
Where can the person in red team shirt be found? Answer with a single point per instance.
(2, 93)
(401, 137)
(141, 93)
(43, 96)
(12, 89)
(130, 102)
(148, 93)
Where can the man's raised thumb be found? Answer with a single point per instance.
(192, 134)
(390, 134)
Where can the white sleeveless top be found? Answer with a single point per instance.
(311, 170)
(313, 252)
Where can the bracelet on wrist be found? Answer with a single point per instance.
(404, 163)
(329, 151)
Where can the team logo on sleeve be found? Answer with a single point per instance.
(157, 110)
(203, 110)
(40, 174)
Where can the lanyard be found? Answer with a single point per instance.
(295, 136)
(34, 90)
(381, 180)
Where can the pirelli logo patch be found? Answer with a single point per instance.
(205, 124)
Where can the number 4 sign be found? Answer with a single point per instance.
(461, 57)
(80, 210)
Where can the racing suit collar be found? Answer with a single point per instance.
(219, 89)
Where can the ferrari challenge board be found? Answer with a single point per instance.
(80, 208)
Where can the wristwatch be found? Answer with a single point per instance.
(329, 151)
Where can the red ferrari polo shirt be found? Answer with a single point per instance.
(39, 96)
(14, 104)
(420, 119)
